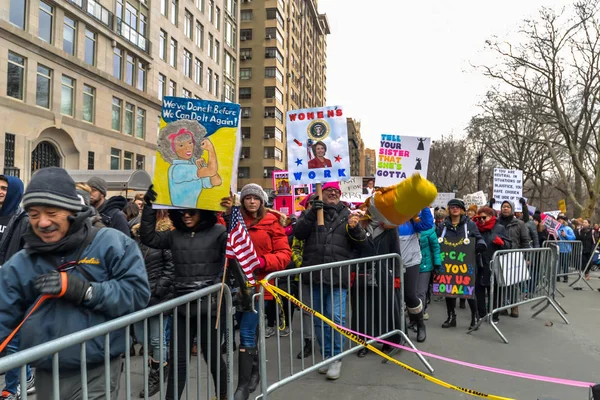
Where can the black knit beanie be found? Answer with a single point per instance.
(52, 187)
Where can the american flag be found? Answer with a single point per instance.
(552, 226)
(240, 247)
(309, 144)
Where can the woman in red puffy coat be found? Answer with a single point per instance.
(274, 253)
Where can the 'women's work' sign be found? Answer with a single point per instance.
(456, 278)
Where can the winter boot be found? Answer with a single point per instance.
(306, 350)
(245, 361)
(451, 321)
(153, 380)
(474, 323)
(255, 376)
(416, 315)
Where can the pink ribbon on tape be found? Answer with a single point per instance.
(541, 378)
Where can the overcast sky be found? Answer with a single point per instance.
(432, 90)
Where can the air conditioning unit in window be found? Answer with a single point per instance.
(267, 115)
(267, 136)
(242, 156)
(266, 174)
(268, 37)
(244, 57)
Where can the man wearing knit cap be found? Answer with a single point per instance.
(111, 210)
(88, 276)
(337, 240)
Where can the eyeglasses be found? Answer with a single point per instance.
(453, 207)
(330, 190)
(482, 217)
(190, 212)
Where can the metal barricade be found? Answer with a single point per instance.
(183, 311)
(570, 261)
(363, 288)
(520, 277)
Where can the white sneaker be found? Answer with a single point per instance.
(284, 332)
(270, 331)
(334, 370)
(323, 370)
(425, 316)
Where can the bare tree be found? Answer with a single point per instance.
(555, 70)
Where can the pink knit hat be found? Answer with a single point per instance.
(332, 185)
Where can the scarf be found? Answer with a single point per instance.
(504, 221)
(76, 235)
(488, 225)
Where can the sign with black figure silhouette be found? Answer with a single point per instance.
(401, 156)
(456, 277)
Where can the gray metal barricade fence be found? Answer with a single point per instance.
(519, 277)
(570, 260)
(184, 310)
(376, 307)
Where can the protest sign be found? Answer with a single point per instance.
(196, 153)
(442, 199)
(551, 224)
(401, 156)
(508, 185)
(478, 198)
(562, 206)
(281, 183)
(554, 213)
(457, 275)
(300, 192)
(368, 185)
(317, 145)
(284, 204)
(352, 190)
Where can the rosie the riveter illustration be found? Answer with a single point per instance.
(182, 144)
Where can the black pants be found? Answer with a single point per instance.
(207, 329)
(411, 283)
(451, 305)
(585, 257)
(483, 293)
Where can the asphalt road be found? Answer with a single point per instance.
(562, 351)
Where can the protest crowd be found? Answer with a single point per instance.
(99, 258)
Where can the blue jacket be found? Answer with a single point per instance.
(13, 196)
(430, 250)
(120, 287)
(570, 235)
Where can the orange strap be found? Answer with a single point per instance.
(64, 282)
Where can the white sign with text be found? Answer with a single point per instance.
(508, 185)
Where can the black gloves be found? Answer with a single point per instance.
(522, 201)
(492, 202)
(150, 196)
(480, 248)
(51, 284)
(437, 269)
(317, 205)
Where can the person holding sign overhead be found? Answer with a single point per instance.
(458, 228)
(319, 161)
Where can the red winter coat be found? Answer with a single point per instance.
(271, 243)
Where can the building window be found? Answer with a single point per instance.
(174, 11)
(230, 34)
(216, 85)
(186, 93)
(43, 86)
(209, 80)
(246, 54)
(272, 52)
(90, 47)
(116, 114)
(162, 45)
(231, 8)
(9, 150)
(18, 9)
(273, 33)
(172, 88)
(218, 18)
(141, 76)
(245, 153)
(274, 112)
(128, 160)
(269, 152)
(187, 63)
(15, 82)
(129, 113)
(246, 112)
(163, 7)
(91, 157)
(230, 67)
(67, 96)
(199, 35)
(273, 13)
(89, 101)
(173, 55)
(270, 72)
(245, 93)
(118, 63)
(115, 159)
(162, 84)
(200, 5)
(245, 73)
(244, 172)
(210, 45)
(188, 24)
(246, 132)
(129, 68)
(45, 27)
(217, 52)
(69, 35)
(272, 132)
(211, 10)
(278, 154)
(245, 34)
(198, 72)
(140, 162)
(278, 134)
(140, 124)
(246, 15)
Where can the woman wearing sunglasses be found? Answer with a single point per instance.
(496, 238)
(197, 246)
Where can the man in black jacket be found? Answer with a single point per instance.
(111, 210)
(337, 240)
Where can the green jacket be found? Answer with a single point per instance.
(430, 250)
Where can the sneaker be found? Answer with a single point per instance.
(324, 369)
(334, 371)
(6, 395)
(285, 331)
(30, 386)
(306, 350)
(425, 316)
(153, 383)
(270, 331)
